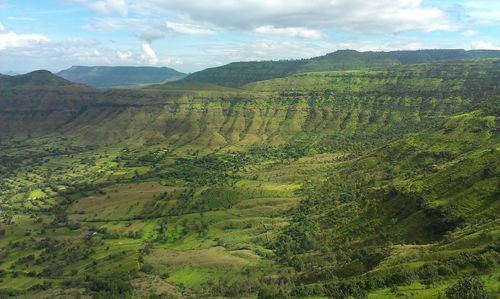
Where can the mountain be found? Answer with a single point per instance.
(40, 78)
(39, 102)
(378, 183)
(121, 76)
(237, 74)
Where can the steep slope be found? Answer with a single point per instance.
(39, 102)
(122, 76)
(433, 192)
(328, 110)
(240, 73)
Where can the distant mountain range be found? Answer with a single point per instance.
(237, 74)
(121, 76)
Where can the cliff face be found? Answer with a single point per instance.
(330, 108)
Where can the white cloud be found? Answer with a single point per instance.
(484, 45)
(290, 31)
(483, 11)
(10, 39)
(148, 54)
(469, 33)
(105, 6)
(21, 19)
(124, 56)
(359, 16)
(266, 49)
(172, 61)
(188, 29)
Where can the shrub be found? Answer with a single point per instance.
(467, 288)
(272, 292)
(111, 285)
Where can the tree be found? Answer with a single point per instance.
(467, 288)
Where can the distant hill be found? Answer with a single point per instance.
(240, 73)
(120, 76)
(41, 78)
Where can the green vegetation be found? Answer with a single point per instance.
(237, 74)
(369, 183)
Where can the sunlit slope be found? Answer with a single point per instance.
(427, 200)
(328, 109)
(379, 183)
(240, 73)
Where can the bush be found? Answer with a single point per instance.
(401, 276)
(9, 292)
(111, 285)
(272, 292)
(147, 268)
(346, 289)
(428, 274)
(467, 288)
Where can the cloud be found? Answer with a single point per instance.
(172, 61)
(483, 11)
(21, 19)
(469, 33)
(10, 39)
(217, 53)
(359, 16)
(148, 54)
(146, 29)
(105, 6)
(124, 56)
(290, 31)
(484, 45)
(188, 29)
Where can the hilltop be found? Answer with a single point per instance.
(240, 73)
(41, 78)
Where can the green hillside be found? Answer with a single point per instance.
(39, 102)
(119, 76)
(366, 183)
(240, 73)
(41, 79)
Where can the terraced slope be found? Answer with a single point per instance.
(321, 108)
(366, 183)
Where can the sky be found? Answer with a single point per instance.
(191, 35)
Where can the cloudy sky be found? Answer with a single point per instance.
(191, 35)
